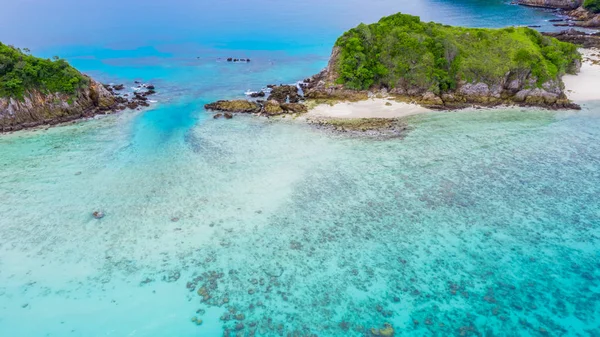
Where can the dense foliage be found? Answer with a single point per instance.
(20, 72)
(592, 5)
(402, 51)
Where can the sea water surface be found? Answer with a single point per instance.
(478, 222)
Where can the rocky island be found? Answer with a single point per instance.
(448, 67)
(36, 91)
(435, 66)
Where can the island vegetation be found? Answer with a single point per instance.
(36, 91)
(442, 66)
(21, 72)
(592, 5)
(400, 50)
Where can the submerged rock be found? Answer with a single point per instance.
(386, 331)
(172, 276)
(240, 105)
(258, 94)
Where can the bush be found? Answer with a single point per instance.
(402, 51)
(592, 5)
(20, 73)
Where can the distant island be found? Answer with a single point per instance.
(438, 66)
(36, 91)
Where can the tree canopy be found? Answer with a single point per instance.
(592, 5)
(400, 50)
(20, 72)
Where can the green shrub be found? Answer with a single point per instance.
(402, 51)
(20, 73)
(592, 5)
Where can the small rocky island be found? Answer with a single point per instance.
(36, 91)
(433, 65)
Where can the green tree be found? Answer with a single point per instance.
(20, 73)
(592, 5)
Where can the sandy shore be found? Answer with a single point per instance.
(372, 108)
(586, 85)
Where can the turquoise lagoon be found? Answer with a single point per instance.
(478, 222)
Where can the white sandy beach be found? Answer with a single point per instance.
(371, 108)
(586, 85)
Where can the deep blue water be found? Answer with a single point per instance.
(477, 223)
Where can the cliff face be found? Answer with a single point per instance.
(562, 4)
(37, 108)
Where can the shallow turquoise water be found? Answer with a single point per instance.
(482, 222)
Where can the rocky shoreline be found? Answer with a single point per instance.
(510, 92)
(38, 109)
(583, 39)
(289, 99)
(283, 99)
(578, 15)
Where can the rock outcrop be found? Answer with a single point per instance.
(284, 94)
(586, 40)
(283, 99)
(584, 18)
(37, 108)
